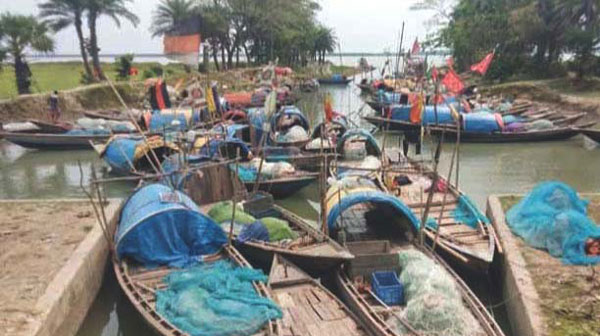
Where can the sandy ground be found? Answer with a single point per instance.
(570, 295)
(36, 239)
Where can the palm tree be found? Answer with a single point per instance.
(59, 14)
(170, 14)
(19, 33)
(325, 42)
(115, 9)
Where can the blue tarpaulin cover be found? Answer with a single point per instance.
(290, 111)
(554, 218)
(468, 213)
(444, 116)
(160, 226)
(480, 122)
(119, 154)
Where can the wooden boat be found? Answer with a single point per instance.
(51, 128)
(308, 307)
(309, 161)
(278, 125)
(471, 247)
(115, 115)
(335, 81)
(313, 250)
(556, 134)
(141, 284)
(348, 164)
(53, 141)
(593, 134)
(284, 186)
(355, 289)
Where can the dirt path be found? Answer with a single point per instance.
(36, 239)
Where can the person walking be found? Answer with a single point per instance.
(54, 109)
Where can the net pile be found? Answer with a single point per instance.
(434, 304)
(216, 300)
(295, 133)
(468, 213)
(249, 228)
(554, 218)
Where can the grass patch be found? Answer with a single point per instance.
(67, 75)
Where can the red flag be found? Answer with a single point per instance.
(483, 66)
(416, 48)
(434, 74)
(450, 62)
(453, 82)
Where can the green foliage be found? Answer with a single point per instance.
(124, 66)
(157, 69)
(530, 36)
(19, 33)
(232, 27)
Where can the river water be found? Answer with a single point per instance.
(484, 169)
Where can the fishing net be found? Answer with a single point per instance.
(223, 211)
(87, 132)
(434, 304)
(554, 218)
(216, 300)
(539, 125)
(279, 229)
(468, 213)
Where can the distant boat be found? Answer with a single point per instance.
(336, 79)
(54, 141)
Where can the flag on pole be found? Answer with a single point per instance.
(416, 48)
(452, 82)
(434, 74)
(483, 66)
(183, 48)
(328, 107)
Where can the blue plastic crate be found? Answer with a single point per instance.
(387, 287)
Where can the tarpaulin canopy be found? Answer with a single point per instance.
(290, 111)
(123, 154)
(160, 226)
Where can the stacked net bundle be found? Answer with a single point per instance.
(434, 304)
(216, 300)
(278, 229)
(554, 218)
(223, 211)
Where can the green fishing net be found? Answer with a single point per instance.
(434, 304)
(222, 212)
(278, 229)
(216, 299)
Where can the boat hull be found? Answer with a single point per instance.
(282, 188)
(558, 134)
(53, 141)
(592, 134)
(326, 81)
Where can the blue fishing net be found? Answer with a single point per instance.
(216, 299)
(554, 218)
(468, 213)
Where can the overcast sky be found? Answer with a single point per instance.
(361, 26)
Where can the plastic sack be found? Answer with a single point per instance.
(554, 218)
(540, 125)
(216, 299)
(295, 133)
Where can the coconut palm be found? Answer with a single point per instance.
(19, 33)
(116, 10)
(170, 14)
(60, 14)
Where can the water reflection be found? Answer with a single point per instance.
(49, 174)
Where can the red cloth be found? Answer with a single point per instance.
(328, 109)
(453, 82)
(483, 66)
(239, 98)
(434, 74)
(133, 71)
(466, 106)
(160, 100)
(416, 48)
(281, 71)
(416, 109)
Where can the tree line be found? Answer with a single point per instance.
(260, 30)
(530, 37)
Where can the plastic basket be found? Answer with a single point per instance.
(387, 287)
